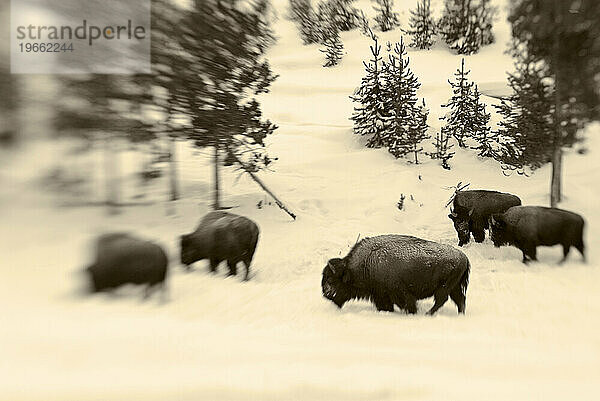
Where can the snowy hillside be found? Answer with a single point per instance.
(530, 332)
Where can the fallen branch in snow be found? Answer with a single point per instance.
(263, 186)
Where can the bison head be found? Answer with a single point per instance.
(335, 282)
(461, 220)
(498, 232)
(189, 250)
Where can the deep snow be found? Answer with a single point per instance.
(530, 332)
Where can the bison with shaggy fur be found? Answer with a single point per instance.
(472, 210)
(123, 259)
(398, 270)
(527, 227)
(221, 236)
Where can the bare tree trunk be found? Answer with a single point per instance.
(555, 184)
(111, 174)
(173, 169)
(217, 203)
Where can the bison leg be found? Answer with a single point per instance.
(452, 284)
(232, 267)
(247, 265)
(149, 290)
(214, 263)
(457, 296)
(529, 250)
(581, 248)
(479, 235)
(566, 249)
(405, 301)
(410, 304)
(440, 296)
(383, 303)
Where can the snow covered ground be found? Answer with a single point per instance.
(530, 332)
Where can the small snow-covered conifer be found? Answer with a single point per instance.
(422, 26)
(405, 124)
(386, 19)
(302, 13)
(370, 113)
(442, 148)
(466, 118)
(482, 134)
(333, 50)
(466, 25)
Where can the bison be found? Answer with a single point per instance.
(527, 227)
(221, 236)
(472, 210)
(123, 259)
(398, 270)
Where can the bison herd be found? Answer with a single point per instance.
(387, 270)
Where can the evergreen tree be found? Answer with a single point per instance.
(405, 125)
(333, 50)
(422, 26)
(386, 19)
(557, 43)
(417, 132)
(482, 134)
(334, 16)
(467, 117)
(220, 75)
(442, 148)
(466, 25)
(364, 26)
(302, 13)
(370, 114)
(527, 126)
(345, 16)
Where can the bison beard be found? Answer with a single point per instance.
(398, 270)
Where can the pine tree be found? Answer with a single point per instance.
(442, 148)
(563, 37)
(417, 132)
(422, 26)
(483, 132)
(467, 117)
(370, 114)
(345, 16)
(386, 18)
(302, 13)
(466, 25)
(527, 127)
(364, 26)
(405, 125)
(221, 76)
(333, 50)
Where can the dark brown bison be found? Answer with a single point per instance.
(527, 227)
(398, 270)
(472, 210)
(123, 259)
(221, 236)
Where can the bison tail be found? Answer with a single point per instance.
(464, 280)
